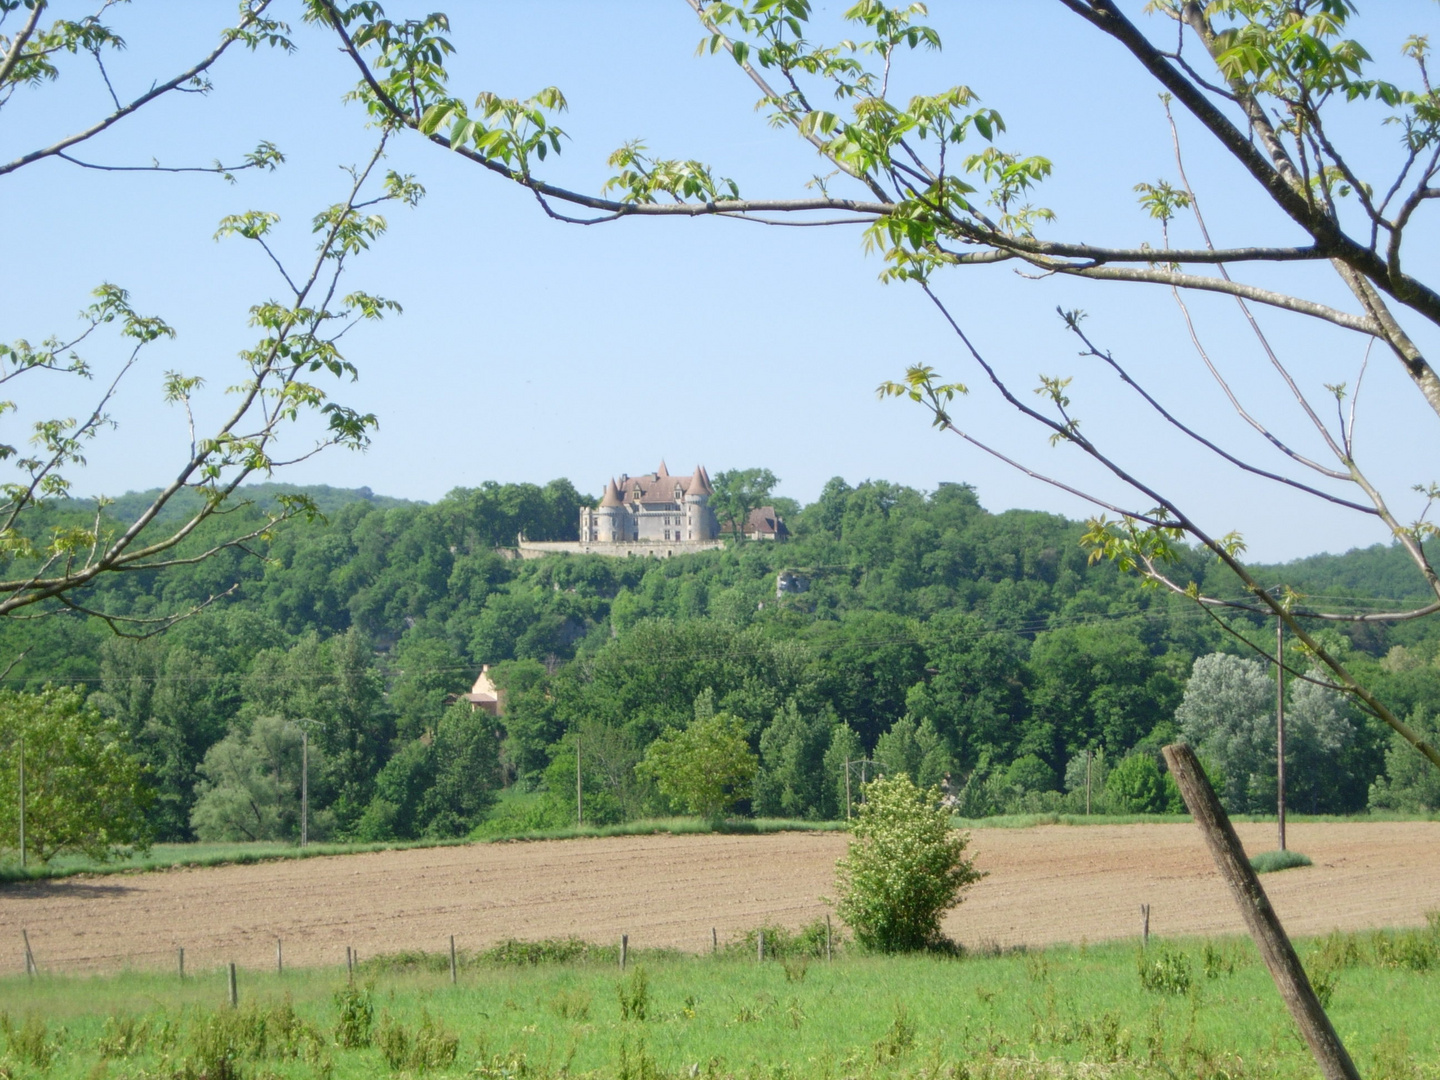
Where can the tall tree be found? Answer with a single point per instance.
(737, 492)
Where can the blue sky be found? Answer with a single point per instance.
(531, 349)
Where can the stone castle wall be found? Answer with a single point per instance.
(618, 549)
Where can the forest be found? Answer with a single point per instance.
(981, 651)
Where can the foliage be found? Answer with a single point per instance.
(1135, 786)
(737, 492)
(1267, 862)
(85, 791)
(251, 784)
(905, 868)
(708, 767)
(1409, 783)
(1227, 715)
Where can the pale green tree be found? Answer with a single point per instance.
(706, 767)
(1228, 715)
(250, 786)
(85, 791)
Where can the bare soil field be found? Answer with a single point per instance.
(1045, 885)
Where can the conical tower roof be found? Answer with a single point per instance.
(699, 483)
(662, 471)
(612, 494)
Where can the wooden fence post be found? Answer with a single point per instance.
(1144, 926)
(1275, 948)
(452, 960)
(180, 961)
(760, 945)
(349, 964)
(828, 954)
(624, 949)
(714, 940)
(30, 968)
(279, 959)
(234, 989)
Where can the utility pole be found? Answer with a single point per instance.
(847, 789)
(1088, 754)
(22, 802)
(305, 724)
(579, 789)
(1280, 726)
(304, 788)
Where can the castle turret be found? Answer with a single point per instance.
(609, 526)
(699, 518)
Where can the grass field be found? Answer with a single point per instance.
(1203, 1009)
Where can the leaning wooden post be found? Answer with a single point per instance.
(624, 949)
(452, 960)
(234, 989)
(1144, 926)
(279, 959)
(30, 968)
(1260, 919)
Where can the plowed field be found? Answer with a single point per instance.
(1047, 884)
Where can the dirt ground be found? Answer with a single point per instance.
(1047, 884)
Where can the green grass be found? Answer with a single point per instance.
(1184, 1008)
(1268, 862)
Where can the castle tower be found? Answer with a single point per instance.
(699, 518)
(608, 515)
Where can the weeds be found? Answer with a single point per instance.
(430, 1046)
(355, 1017)
(899, 1037)
(571, 1005)
(1165, 972)
(782, 944)
(634, 995)
(30, 1042)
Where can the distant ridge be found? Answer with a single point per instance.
(329, 500)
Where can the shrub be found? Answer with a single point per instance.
(905, 868)
(1267, 862)
(1135, 786)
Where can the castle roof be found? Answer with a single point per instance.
(612, 494)
(657, 488)
(699, 483)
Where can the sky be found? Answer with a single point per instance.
(530, 349)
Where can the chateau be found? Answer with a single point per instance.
(658, 515)
(656, 506)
